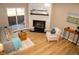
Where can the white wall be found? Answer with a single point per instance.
(3, 12)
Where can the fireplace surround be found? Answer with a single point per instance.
(36, 9)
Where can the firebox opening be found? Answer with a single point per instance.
(39, 26)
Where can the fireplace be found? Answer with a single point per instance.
(39, 26)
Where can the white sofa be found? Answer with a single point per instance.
(55, 36)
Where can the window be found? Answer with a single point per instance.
(15, 11)
(11, 12)
(15, 16)
(20, 11)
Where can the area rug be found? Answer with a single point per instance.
(25, 44)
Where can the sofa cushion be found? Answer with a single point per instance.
(8, 47)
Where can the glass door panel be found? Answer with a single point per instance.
(16, 18)
(11, 13)
(20, 18)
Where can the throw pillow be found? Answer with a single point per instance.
(53, 31)
(22, 35)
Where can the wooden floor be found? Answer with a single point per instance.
(43, 47)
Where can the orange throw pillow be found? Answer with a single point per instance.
(22, 36)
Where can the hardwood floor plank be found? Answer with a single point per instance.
(43, 47)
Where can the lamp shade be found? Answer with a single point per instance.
(1, 47)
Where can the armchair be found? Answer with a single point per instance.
(53, 36)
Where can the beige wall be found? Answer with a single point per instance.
(3, 17)
(60, 13)
(3, 12)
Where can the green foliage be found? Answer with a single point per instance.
(73, 20)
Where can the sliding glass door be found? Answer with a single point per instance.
(16, 18)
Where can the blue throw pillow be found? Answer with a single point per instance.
(16, 43)
(53, 31)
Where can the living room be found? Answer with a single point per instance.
(40, 21)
